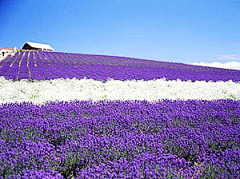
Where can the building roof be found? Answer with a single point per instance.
(6, 48)
(39, 45)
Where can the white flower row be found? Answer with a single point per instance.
(40, 92)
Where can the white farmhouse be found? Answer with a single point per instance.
(37, 46)
(4, 52)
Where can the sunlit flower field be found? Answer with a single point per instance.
(68, 115)
(43, 91)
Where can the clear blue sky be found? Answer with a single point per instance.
(166, 30)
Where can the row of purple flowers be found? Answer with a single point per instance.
(121, 139)
(52, 65)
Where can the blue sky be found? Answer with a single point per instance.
(176, 30)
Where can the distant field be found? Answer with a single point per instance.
(35, 65)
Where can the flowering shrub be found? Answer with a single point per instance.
(52, 65)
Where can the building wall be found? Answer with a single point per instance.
(28, 47)
(5, 52)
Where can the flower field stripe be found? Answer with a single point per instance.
(14, 60)
(40, 92)
(19, 65)
(29, 70)
(56, 65)
(8, 62)
(121, 139)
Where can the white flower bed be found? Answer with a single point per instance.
(40, 92)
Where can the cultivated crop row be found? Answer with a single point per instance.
(36, 65)
(131, 139)
(43, 91)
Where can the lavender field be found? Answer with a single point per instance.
(36, 65)
(89, 116)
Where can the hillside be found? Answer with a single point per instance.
(37, 65)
